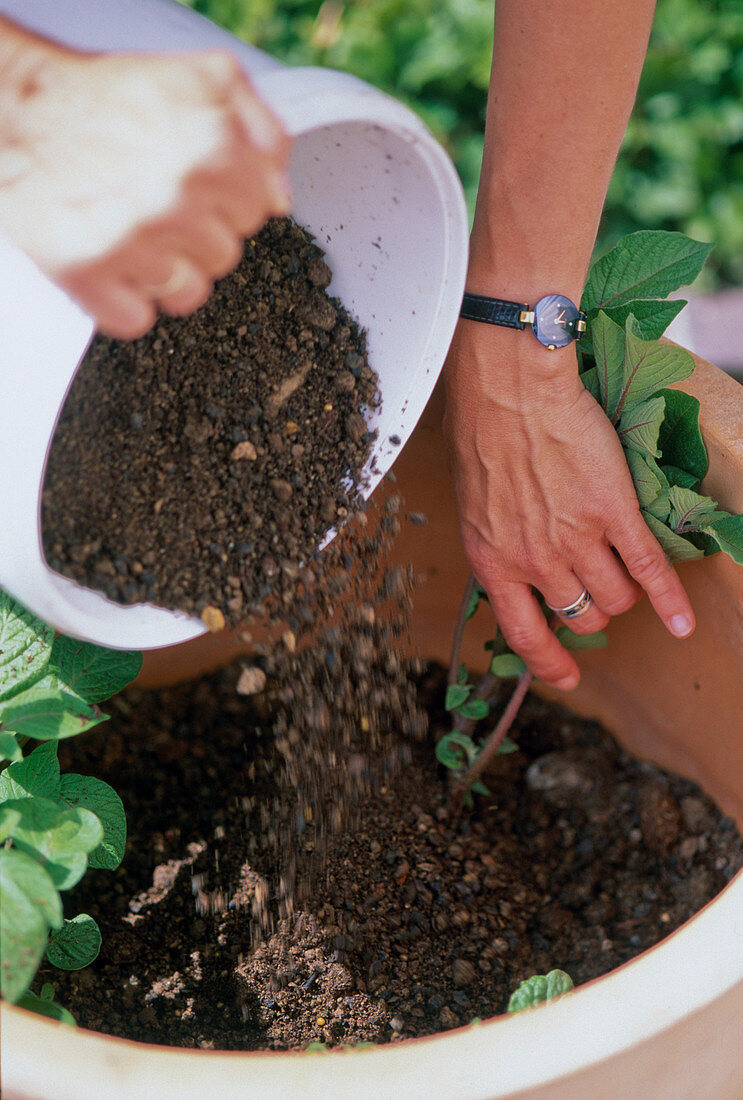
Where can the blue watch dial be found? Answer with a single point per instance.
(555, 319)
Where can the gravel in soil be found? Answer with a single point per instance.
(407, 924)
(198, 467)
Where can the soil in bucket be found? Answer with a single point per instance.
(293, 875)
(198, 467)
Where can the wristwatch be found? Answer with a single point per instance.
(555, 320)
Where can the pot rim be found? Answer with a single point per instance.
(603, 1018)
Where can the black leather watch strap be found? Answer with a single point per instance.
(494, 311)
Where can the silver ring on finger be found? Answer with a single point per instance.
(577, 607)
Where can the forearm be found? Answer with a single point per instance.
(564, 79)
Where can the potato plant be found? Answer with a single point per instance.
(52, 826)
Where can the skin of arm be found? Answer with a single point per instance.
(538, 507)
(131, 180)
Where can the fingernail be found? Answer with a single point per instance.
(567, 683)
(680, 625)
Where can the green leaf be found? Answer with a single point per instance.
(690, 509)
(456, 750)
(48, 710)
(29, 906)
(728, 534)
(650, 484)
(609, 349)
(507, 746)
(677, 476)
(25, 645)
(475, 709)
(75, 944)
(507, 664)
(647, 264)
(462, 674)
(652, 316)
(44, 1006)
(675, 546)
(570, 640)
(92, 672)
(539, 988)
(456, 694)
(97, 796)
(640, 425)
(473, 603)
(590, 380)
(37, 774)
(479, 787)
(58, 837)
(648, 366)
(680, 439)
(9, 749)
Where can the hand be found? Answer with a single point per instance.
(545, 497)
(132, 180)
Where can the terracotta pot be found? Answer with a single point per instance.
(665, 1025)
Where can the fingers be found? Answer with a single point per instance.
(527, 632)
(186, 289)
(562, 590)
(120, 310)
(205, 239)
(611, 588)
(646, 562)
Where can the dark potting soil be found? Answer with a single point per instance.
(408, 923)
(198, 467)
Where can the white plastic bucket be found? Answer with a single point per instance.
(378, 193)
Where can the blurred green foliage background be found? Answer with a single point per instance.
(681, 163)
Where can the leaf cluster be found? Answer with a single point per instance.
(628, 369)
(52, 826)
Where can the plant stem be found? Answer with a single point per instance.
(456, 645)
(493, 742)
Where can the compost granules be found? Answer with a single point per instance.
(198, 467)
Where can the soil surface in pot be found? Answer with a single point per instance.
(407, 924)
(197, 467)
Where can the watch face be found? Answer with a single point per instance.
(555, 317)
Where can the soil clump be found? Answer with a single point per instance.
(198, 467)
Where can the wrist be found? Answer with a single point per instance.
(485, 358)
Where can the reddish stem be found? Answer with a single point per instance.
(493, 743)
(456, 645)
